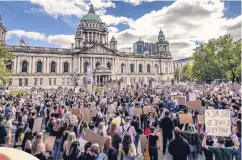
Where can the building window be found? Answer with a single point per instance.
(140, 68)
(54, 81)
(122, 68)
(109, 65)
(66, 67)
(84, 80)
(50, 81)
(24, 66)
(52, 67)
(10, 82)
(148, 68)
(26, 81)
(40, 81)
(9, 65)
(63, 81)
(20, 82)
(35, 81)
(68, 81)
(131, 68)
(39, 66)
(85, 66)
(156, 69)
(97, 64)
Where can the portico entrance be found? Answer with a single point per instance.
(102, 75)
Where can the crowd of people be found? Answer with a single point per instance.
(121, 128)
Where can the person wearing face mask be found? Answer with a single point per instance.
(3, 131)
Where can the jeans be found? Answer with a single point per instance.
(57, 146)
(136, 142)
(194, 154)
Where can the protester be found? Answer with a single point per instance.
(178, 146)
(152, 144)
(67, 145)
(127, 149)
(95, 151)
(167, 126)
(116, 138)
(110, 151)
(3, 131)
(38, 147)
(221, 152)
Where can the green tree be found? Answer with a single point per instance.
(217, 59)
(5, 59)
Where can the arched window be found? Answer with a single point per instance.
(85, 66)
(156, 69)
(148, 68)
(109, 65)
(140, 68)
(122, 68)
(66, 67)
(24, 66)
(39, 66)
(131, 68)
(52, 67)
(97, 64)
(9, 65)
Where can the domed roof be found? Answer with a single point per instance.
(91, 16)
(113, 39)
(102, 68)
(161, 34)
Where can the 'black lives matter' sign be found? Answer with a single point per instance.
(218, 122)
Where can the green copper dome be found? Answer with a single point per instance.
(91, 16)
(161, 34)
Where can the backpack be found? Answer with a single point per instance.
(75, 150)
(127, 131)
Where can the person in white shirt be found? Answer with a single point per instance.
(127, 128)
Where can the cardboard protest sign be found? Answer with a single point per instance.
(192, 96)
(201, 119)
(137, 111)
(185, 118)
(93, 112)
(37, 124)
(194, 105)
(92, 137)
(218, 122)
(148, 109)
(181, 100)
(76, 112)
(86, 114)
(143, 142)
(49, 143)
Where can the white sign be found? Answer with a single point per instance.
(218, 122)
(192, 96)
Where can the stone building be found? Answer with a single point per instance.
(50, 68)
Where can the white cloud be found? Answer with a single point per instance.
(183, 23)
(22, 34)
(137, 2)
(112, 20)
(112, 30)
(63, 41)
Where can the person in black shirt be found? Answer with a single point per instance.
(152, 144)
(3, 131)
(135, 122)
(167, 126)
(179, 147)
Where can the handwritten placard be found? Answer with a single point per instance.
(49, 143)
(194, 105)
(92, 137)
(181, 100)
(37, 125)
(201, 119)
(143, 143)
(76, 112)
(138, 111)
(185, 118)
(218, 122)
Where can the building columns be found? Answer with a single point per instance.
(82, 67)
(15, 65)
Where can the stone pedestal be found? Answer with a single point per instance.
(89, 88)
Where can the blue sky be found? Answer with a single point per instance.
(37, 16)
